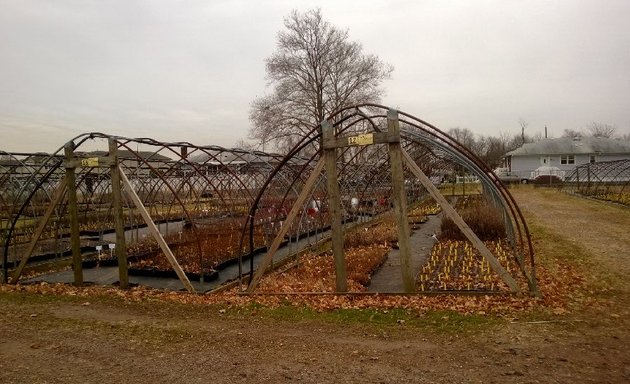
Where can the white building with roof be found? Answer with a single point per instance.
(558, 157)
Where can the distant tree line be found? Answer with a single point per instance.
(491, 149)
(317, 70)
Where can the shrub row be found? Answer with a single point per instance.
(484, 219)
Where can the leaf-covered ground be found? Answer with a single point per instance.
(577, 332)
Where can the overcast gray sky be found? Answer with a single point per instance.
(188, 70)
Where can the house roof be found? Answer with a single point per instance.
(568, 146)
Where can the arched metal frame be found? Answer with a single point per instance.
(252, 191)
(176, 182)
(606, 180)
(428, 145)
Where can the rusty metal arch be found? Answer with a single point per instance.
(184, 181)
(170, 182)
(606, 180)
(436, 145)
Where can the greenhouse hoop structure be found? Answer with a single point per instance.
(191, 211)
(605, 180)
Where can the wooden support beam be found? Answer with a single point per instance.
(119, 225)
(332, 142)
(155, 232)
(75, 237)
(61, 189)
(461, 224)
(275, 244)
(400, 203)
(89, 162)
(334, 208)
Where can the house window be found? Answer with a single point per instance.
(567, 159)
(592, 160)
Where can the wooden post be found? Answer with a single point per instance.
(75, 237)
(275, 244)
(121, 246)
(334, 207)
(400, 203)
(461, 224)
(61, 189)
(155, 231)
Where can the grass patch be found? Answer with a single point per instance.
(35, 311)
(552, 247)
(26, 298)
(377, 319)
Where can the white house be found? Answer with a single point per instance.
(558, 157)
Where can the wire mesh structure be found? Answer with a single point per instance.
(216, 206)
(606, 180)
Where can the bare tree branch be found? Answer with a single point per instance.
(597, 129)
(315, 71)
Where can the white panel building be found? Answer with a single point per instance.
(557, 157)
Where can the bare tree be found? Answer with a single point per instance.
(571, 133)
(465, 137)
(598, 129)
(496, 147)
(315, 71)
(244, 144)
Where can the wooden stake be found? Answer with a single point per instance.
(155, 232)
(461, 224)
(400, 203)
(61, 189)
(75, 237)
(121, 246)
(334, 207)
(275, 244)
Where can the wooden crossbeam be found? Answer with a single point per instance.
(275, 244)
(61, 189)
(155, 232)
(461, 224)
(331, 142)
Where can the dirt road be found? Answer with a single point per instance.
(69, 339)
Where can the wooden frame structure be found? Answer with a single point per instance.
(181, 182)
(118, 180)
(328, 160)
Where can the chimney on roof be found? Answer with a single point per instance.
(545, 131)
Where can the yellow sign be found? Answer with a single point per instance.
(89, 162)
(365, 139)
